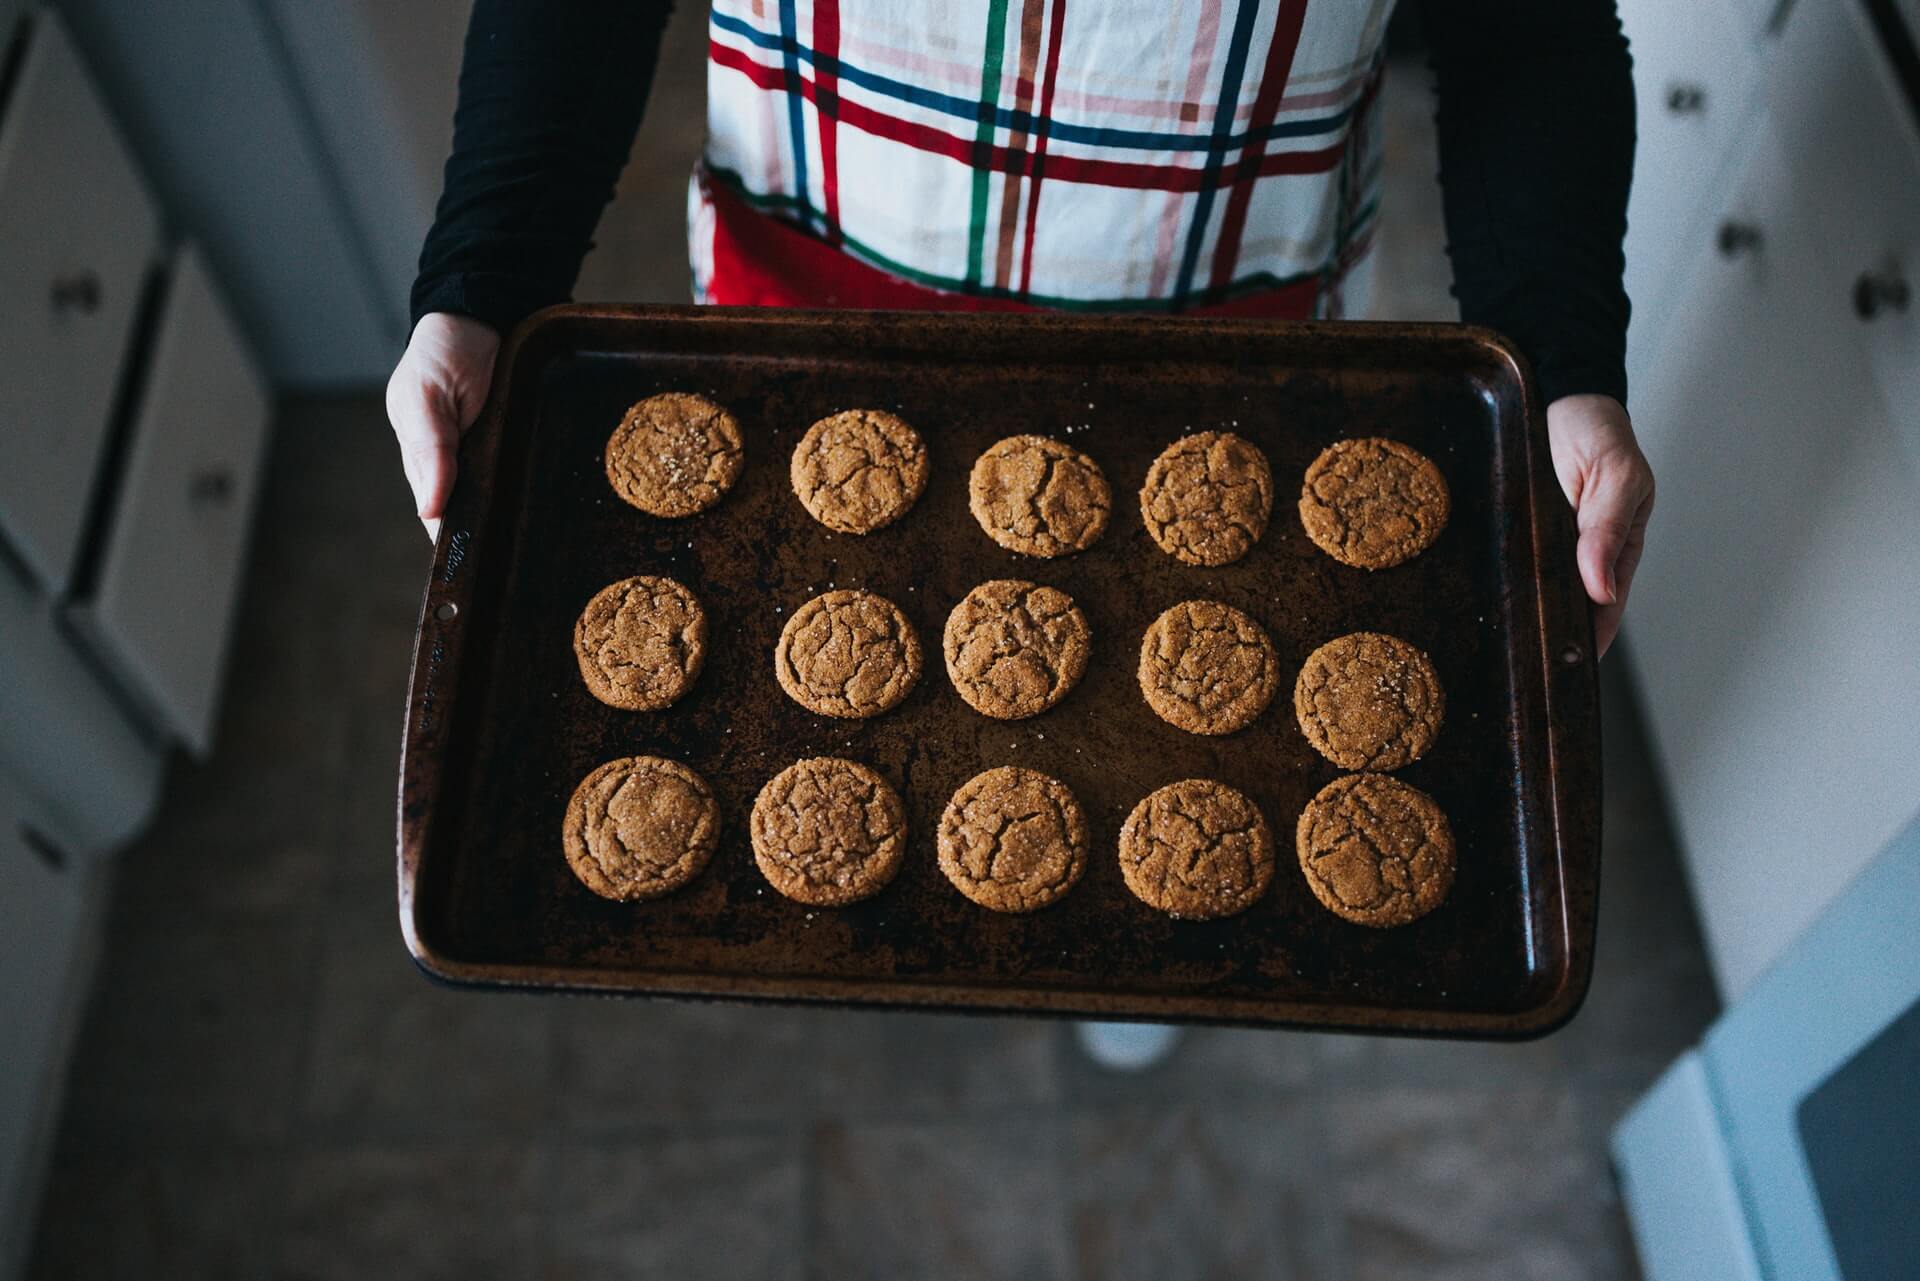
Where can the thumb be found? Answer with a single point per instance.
(427, 430)
(1601, 542)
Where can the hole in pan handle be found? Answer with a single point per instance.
(446, 611)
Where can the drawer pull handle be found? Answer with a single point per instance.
(79, 292)
(1737, 238)
(213, 485)
(1686, 99)
(1877, 289)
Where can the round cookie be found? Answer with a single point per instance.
(675, 454)
(1373, 503)
(1207, 668)
(846, 653)
(1207, 498)
(1376, 851)
(641, 642)
(828, 831)
(1014, 648)
(1196, 849)
(1369, 701)
(859, 470)
(1013, 839)
(1034, 495)
(640, 827)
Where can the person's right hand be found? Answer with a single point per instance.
(433, 397)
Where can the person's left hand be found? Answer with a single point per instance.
(1610, 485)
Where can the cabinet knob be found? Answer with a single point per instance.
(79, 292)
(1737, 238)
(211, 485)
(1877, 289)
(1686, 99)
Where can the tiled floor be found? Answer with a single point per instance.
(265, 1087)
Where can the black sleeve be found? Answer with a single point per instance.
(1536, 157)
(551, 93)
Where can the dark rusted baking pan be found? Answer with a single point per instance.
(500, 728)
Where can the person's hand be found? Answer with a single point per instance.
(434, 395)
(1610, 485)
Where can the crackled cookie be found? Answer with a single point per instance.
(640, 642)
(1207, 668)
(675, 454)
(1015, 648)
(1373, 503)
(1196, 849)
(828, 831)
(1207, 498)
(1013, 839)
(640, 827)
(1376, 851)
(850, 654)
(859, 470)
(1368, 701)
(1039, 497)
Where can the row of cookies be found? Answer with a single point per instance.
(828, 831)
(1014, 649)
(1371, 503)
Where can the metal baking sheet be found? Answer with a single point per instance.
(500, 728)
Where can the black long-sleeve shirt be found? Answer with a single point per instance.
(1536, 132)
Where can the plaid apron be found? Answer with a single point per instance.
(1093, 155)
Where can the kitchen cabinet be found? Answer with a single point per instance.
(133, 416)
(162, 603)
(1693, 89)
(80, 235)
(1770, 633)
(1837, 105)
(47, 913)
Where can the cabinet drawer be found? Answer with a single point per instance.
(1693, 86)
(77, 235)
(1854, 147)
(176, 540)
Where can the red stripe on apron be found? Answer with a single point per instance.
(762, 261)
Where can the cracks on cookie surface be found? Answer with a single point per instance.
(1369, 701)
(1197, 848)
(1207, 498)
(1376, 848)
(1374, 502)
(828, 829)
(848, 653)
(859, 470)
(1014, 648)
(640, 827)
(644, 639)
(1013, 839)
(1207, 668)
(1035, 495)
(675, 454)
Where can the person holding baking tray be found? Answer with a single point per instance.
(1193, 157)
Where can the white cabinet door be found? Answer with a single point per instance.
(1693, 87)
(170, 572)
(1854, 146)
(1773, 622)
(46, 931)
(77, 234)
